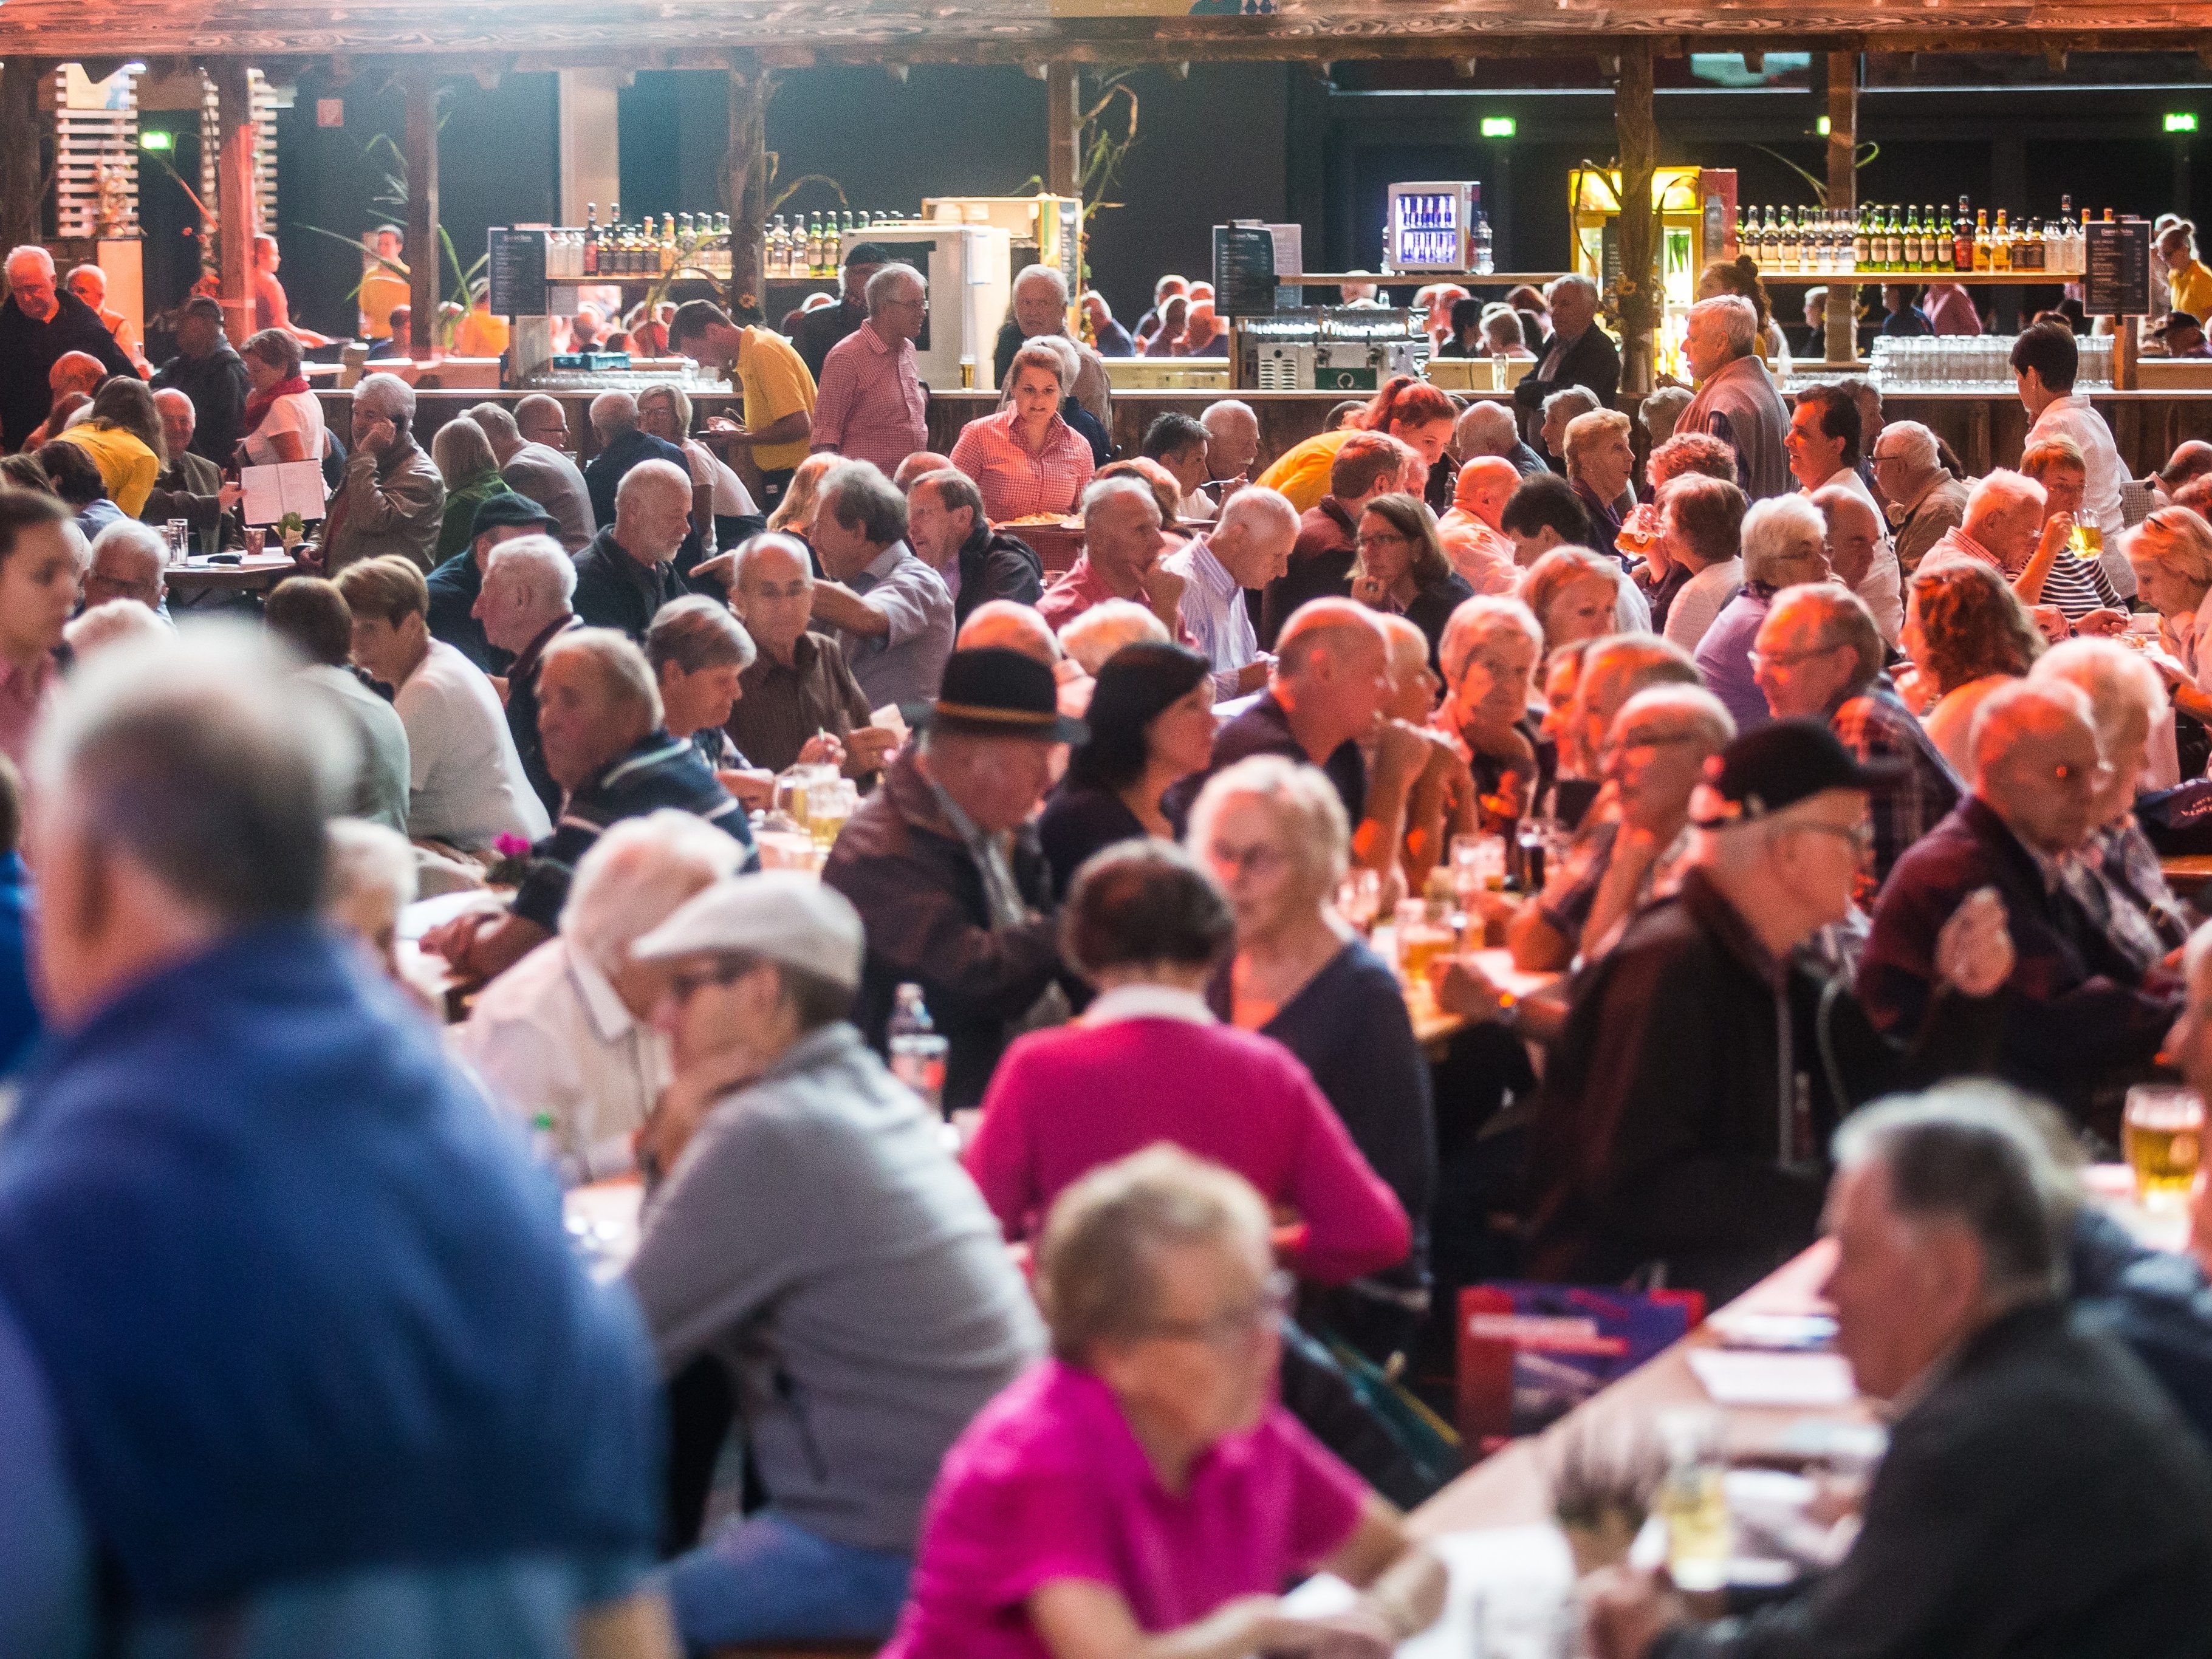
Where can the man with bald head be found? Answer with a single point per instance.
(1487, 428)
(628, 572)
(2002, 522)
(41, 323)
(2082, 1021)
(89, 283)
(1477, 548)
(213, 375)
(1232, 444)
(71, 381)
(623, 445)
(190, 486)
(1248, 547)
(1820, 658)
(1860, 553)
(920, 465)
(799, 700)
(537, 465)
(1325, 702)
(1121, 557)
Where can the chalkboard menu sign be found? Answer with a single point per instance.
(2116, 279)
(517, 269)
(1243, 270)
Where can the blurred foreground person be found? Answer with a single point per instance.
(2039, 1494)
(244, 1191)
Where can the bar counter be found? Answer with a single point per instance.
(1985, 428)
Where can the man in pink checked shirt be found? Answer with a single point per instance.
(871, 406)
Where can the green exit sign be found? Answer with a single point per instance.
(154, 138)
(1820, 126)
(2184, 121)
(1500, 126)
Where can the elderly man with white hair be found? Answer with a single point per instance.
(2083, 1019)
(1580, 353)
(525, 603)
(130, 560)
(1121, 558)
(564, 1039)
(1040, 307)
(42, 323)
(1232, 444)
(1784, 543)
(628, 572)
(189, 485)
(392, 498)
(798, 701)
(1249, 546)
(871, 406)
(623, 444)
(1486, 427)
(2002, 521)
(213, 1054)
(1737, 401)
(893, 613)
(1558, 412)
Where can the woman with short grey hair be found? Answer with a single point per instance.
(698, 649)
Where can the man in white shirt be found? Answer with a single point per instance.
(1248, 547)
(2044, 361)
(1823, 442)
(893, 613)
(564, 1039)
(467, 788)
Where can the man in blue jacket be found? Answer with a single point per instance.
(292, 1347)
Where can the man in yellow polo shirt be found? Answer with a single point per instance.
(381, 288)
(779, 391)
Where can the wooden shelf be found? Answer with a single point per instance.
(634, 281)
(1962, 278)
(1419, 278)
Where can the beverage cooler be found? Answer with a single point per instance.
(969, 268)
(1697, 208)
(1352, 350)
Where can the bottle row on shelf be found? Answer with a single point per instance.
(1879, 239)
(809, 248)
(692, 242)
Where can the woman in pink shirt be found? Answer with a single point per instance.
(1143, 1491)
(1149, 1062)
(1026, 460)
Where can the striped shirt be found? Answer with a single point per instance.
(1215, 615)
(1015, 482)
(660, 771)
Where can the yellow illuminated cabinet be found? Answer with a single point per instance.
(1697, 224)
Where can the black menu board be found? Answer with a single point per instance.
(1243, 270)
(516, 267)
(2116, 275)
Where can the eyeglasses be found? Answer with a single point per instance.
(1258, 858)
(1233, 1327)
(1789, 658)
(1613, 746)
(1392, 537)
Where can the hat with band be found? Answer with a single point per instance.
(1775, 766)
(994, 692)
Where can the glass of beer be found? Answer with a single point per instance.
(2164, 1133)
(829, 802)
(2088, 541)
(1693, 1500)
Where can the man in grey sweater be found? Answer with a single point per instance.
(810, 1229)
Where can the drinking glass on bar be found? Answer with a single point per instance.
(1359, 898)
(2163, 1131)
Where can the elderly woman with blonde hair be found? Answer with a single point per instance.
(2119, 882)
(1145, 1490)
(1274, 835)
(2170, 553)
(1490, 653)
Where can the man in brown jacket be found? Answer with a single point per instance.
(392, 498)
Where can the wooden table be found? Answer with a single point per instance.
(2187, 872)
(252, 573)
(1433, 1028)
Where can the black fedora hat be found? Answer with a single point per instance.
(997, 693)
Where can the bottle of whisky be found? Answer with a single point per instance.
(2000, 244)
(1984, 250)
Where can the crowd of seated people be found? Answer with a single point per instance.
(1123, 828)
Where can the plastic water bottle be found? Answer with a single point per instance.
(917, 1051)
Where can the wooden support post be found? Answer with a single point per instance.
(744, 181)
(1843, 318)
(1063, 93)
(238, 215)
(423, 251)
(1638, 125)
(21, 185)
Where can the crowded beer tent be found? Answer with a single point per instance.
(1393, 840)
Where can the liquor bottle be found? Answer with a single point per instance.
(591, 260)
(779, 249)
(726, 264)
(1785, 246)
(2031, 252)
(2000, 244)
(1912, 248)
(1984, 250)
(1746, 228)
(814, 246)
(1962, 239)
(1862, 249)
(2069, 248)
(1893, 243)
(667, 244)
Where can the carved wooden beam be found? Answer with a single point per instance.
(744, 177)
(235, 209)
(1638, 129)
